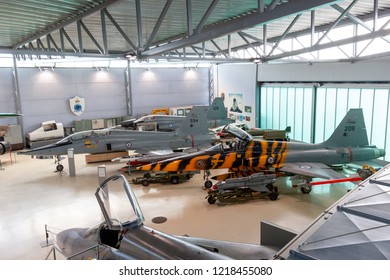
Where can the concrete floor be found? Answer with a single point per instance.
(32, 195)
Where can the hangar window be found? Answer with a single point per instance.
(314, 111)
(282, 106)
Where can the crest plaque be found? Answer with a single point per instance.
(77, 105)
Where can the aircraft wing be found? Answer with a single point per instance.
(311, 169)
(375, 163)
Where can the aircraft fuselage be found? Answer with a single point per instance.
(119, 140)
(267, 154)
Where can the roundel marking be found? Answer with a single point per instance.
(170, 125)
(270, 160)
(200, 164)
(128, 145)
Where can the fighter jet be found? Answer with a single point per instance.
(216, 116)
(348, 143)
(193, 132)
(122, 235)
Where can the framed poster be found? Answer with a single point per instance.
(235, 102)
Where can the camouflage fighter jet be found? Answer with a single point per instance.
(216, 116)
(193, 132)
(348, 143)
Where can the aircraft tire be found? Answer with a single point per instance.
(59, 167)
(175, 180)
(306, 189)
(211, 200)
(273, 196)
(145, 183)
(208, 184)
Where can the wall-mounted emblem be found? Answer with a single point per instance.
(77, 105)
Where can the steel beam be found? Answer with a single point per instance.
(158, 24)
(189, 17)
(219, 49)
(206, 16)
(80, 37)
(285, 33)
(242, 35)
(283, 10)
(120, 30)
(341, 42)
(61, 25)
(104, 32)
(91, 37)
(139, 22)
(34, 52)
(334, 24)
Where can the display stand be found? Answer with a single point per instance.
(72, 169)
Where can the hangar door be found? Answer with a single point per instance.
(314, 111)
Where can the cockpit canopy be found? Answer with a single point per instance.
(242, 141)
(237, 132)
(89, 134)
(119, 204)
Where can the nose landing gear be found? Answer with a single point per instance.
(59, 167)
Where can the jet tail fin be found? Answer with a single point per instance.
(195, 122)
(351, 132)
(217, 110)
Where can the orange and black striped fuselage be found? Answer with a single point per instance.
(255, 154)
(258, 155)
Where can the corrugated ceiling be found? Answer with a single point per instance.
(25, 21)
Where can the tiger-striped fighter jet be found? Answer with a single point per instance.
(348, 143)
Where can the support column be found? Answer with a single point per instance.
(17, 96)
(72, 166)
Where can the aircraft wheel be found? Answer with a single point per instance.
(145, 183)
(273, 196)
(208, 184)
(211, 200)
(175, 180)
(306, 189)
(59, 167)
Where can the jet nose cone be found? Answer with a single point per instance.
(382, 152)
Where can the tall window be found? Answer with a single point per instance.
(314, 112)
(283, 106)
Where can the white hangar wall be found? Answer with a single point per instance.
(168, 87)
(7, 96)
(45, 95)
(236, 80)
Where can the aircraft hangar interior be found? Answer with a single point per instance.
(258, 130)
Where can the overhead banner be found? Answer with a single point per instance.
(77, 105)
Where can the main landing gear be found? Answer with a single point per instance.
(302, 182)
(207, 184)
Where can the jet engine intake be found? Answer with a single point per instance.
(5, 147)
